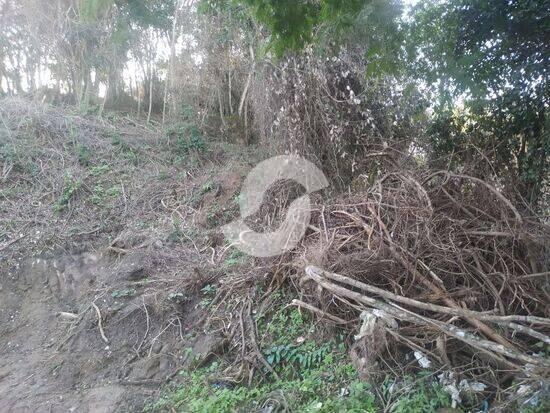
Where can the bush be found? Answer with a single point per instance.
(324, 109)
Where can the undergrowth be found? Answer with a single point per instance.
(315, 375)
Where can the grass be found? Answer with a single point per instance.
(315, 376)
(316, 389)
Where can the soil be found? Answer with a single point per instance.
(135, 240)
(54, 358)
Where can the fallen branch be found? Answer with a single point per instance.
(426, 306)
(491, 348)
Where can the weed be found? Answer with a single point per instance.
(70, 187)
(420, 394)
(177, 297)
(541, 406)
(187, 137)
(212, 217)
(101, 196)
(116, 139)
(100, 169)
(84, 155)
(123, 293)
(163, 176)
(314, 377)
(132, 155)
(126, 150)
(207, 187)
(235, 257)
(176, 235)
(8, 153)
(193, 143)
(209, 291)
(304, 356)
(31, 168)
(328, 388)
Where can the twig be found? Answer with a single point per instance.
(254, 343)
(319, 312)
(100, 323)
(13, 241)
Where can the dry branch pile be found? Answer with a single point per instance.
(441, 264)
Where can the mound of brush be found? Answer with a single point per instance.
(438, 265)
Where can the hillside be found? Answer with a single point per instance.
(274, 206)
(119, 292)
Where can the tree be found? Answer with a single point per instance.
(494, 55)
(293, 24)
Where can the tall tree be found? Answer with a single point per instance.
(494, 55)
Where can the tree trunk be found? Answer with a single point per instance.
(150, 97)
(230, 100)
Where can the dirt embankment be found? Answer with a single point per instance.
(58, 357)
(104, 247)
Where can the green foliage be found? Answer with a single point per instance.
(125, 149)
(315, 376)
(91, 11)
(100, 169)
(234, 257)
(316, 390)
(8, 153)
(101, 196)
(187, 138)
(69, 188)
(482, 46)
(177, 297)
(194, 143)
(208, 291)
(84, 154)
(148, 13)
(295, 24)
(420, 395)
(494, 56)
(542, 406)
(290, 22)
(185, 133)
(176, 235)
(303, 356)
(123, 293)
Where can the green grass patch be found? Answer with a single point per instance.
(315, 375)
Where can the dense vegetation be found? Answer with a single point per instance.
(430, 120)
(481, 65)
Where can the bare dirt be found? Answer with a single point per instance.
(54, 358)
